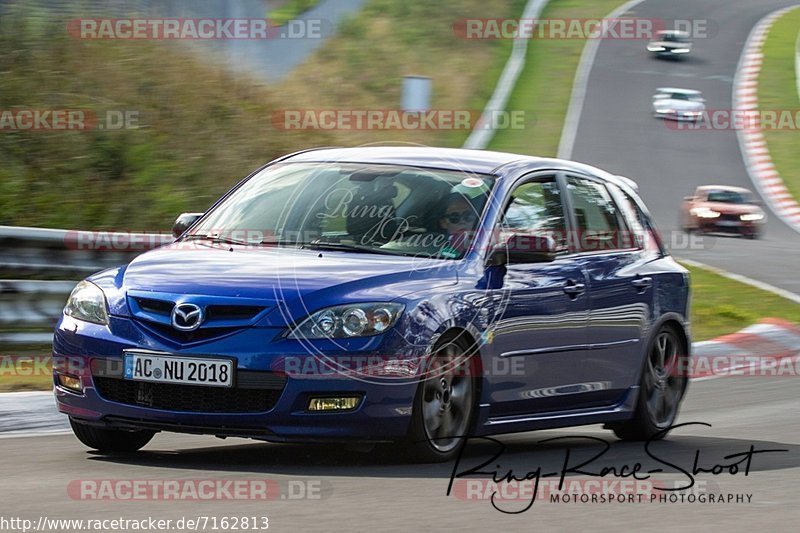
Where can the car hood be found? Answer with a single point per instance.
(269, 275)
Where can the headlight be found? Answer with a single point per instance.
(347, 321)
(704, 212)
(655, 48)
(750, 217)
(680, 50)
(87, 302)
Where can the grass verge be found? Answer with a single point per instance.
(777, 90)
(24, 369)
(545, 85)
(721, 305)
(363, 66)
(199, 129)
(290, 10)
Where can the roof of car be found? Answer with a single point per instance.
(478, 161)
(723, 188)
(481, 161)
(677, 90)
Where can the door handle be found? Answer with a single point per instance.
(574, 289)
(642, 284)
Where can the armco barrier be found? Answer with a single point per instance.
(39, 267)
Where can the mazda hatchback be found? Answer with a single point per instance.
(407, 295)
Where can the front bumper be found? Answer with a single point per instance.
(688, 116)
(735, 226)
(269, 400)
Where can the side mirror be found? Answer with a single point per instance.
(523, 248)
(183, 222)
(688, 198)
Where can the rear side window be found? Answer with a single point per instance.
(633, 216)
(598, 220)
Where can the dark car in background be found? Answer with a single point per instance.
(670, 44)
(411, 295)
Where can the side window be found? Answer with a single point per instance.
(599, 226)
(536, 208)
(633, 216)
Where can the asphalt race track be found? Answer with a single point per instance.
(358, 489)
(355, 490)
(618, 133)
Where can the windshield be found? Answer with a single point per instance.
(730, 197)
(353, 207)
(686, 97)
(674, 38)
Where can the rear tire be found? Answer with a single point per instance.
(661, 388)
(445, 403)
(110, 440)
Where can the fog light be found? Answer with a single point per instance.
(70, 382)
(344, 403)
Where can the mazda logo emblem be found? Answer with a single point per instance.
(187, 317)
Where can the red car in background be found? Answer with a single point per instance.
(723, 208)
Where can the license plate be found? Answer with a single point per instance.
(728, 223)
(186, 370)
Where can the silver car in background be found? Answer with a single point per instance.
(678, 104)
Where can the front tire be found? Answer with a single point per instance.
(444, 406)
(661, 388)
(110, 440)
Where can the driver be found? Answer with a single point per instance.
(458, 220)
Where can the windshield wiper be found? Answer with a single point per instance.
(342, 247)
(214, 239)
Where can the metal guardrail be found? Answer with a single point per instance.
(39, 267)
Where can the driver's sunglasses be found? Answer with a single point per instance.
(468, 217)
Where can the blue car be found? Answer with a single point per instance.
(386, 294)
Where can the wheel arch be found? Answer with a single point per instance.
(678, 323)
(470, 339)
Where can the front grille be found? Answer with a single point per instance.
(189, 398)
(158, 307)
(232, 312)
(732, 218)
(186, 337)
(213, 312)
(220, 320)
